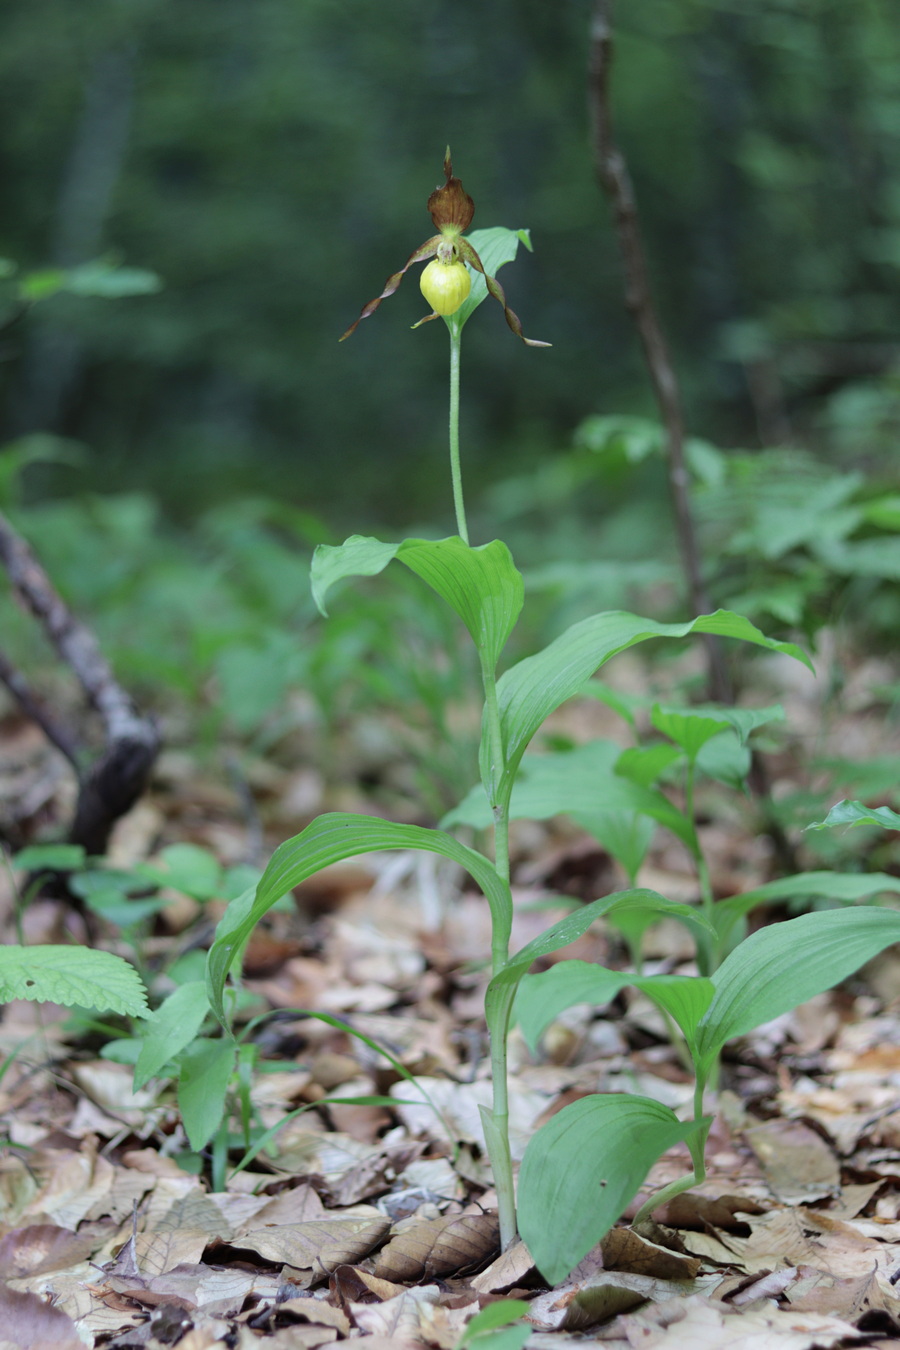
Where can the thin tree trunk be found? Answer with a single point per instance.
(615, 179)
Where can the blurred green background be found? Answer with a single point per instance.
(271, 159)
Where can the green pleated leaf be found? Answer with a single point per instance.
(535, 687)
(580, 782)
(541, 998)
(691, 728)
(502, 989)
(481, 584)
(72, 976)
(582, 1168)
(203, 1081)
(857, 813)
(327, 840)
(725, 759)
(495, 247)
(847, 887)
(785, 964)
(172, 1027)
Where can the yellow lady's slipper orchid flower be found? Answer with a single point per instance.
(451, 209)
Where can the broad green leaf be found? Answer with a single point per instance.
(581, 783)
(848, 887)
(172, 1027)
(857, 813)
(533, 689)
(502, 989)
(203, 1080)
(55, 857)
(785, 964)
(480, 584)
(495, 247)
(358, 556)
(645, 764)
(581, 1169)
(626, 836)
(498, 1314)
(329, 839)
(541, 998)
(187, 868)
(72, 976)
(725, 759)
(691, 728)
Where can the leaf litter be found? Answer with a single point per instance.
(374, 1224)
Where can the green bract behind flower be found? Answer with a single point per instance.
(451, 209)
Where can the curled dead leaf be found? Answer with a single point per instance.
(445, 1246)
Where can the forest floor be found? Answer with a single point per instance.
(375, 1223)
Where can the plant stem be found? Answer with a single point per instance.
(697, 1145)
(455, 471)
(497, 1124)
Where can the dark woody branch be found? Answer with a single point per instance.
(112, 783)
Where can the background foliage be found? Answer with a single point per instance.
(270, 161)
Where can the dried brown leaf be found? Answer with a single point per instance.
(703, 1325)
(796, 1161)
(624, 1249)
(40, 1248)
(509, 1270)
(399, 1317)
(436, 1247)
(31, 1324)
(320, 1245)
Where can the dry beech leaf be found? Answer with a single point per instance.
(30, 1323)
(319, 1245)
(39, 1248)
(697, 1322)
(350, 1284)
(580, 1304)
(509, 1270)
(316, 1310)
(155, 1253)
(399, 1317)
(816, 1291)
(444, 1246)
(297, 1337)
(796, 1161)
(623, 1249)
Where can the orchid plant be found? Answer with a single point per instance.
(581, 1169)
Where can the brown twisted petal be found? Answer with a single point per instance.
(426, 250)
(451, 204)
(468, 254)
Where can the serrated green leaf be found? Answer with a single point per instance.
(857, 813)
(481, 584)
(72, 976)
(329, 839)
(541, 998)
(785, 964)
(847, 887)
(172, 1027)
(533, 689)
(203, 1080)
(581, 1169)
